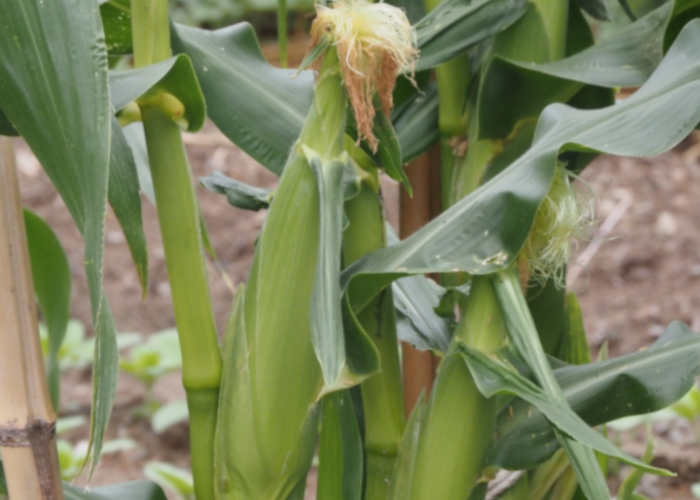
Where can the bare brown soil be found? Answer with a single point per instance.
(645, 274)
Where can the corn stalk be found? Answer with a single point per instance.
(179, 218)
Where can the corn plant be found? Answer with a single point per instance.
(522, 100)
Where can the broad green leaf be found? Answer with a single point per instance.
(416, 123)
(123, 196)
(169, 414)
(134, 490)
(456, 25)
(54, 90)
(175, 76)
(625, 59)
(136, 139)
(638, 383)
(485, 231)
(340, 450)
(415, 299)
(578, 441)
(116, 19)
(683, 12)
(493, 377)
(177, 480)
(597, 9)
(52, 285)
(415, 9)
(237, 193)
(6, 127)
(389, 151)
(260, 108)
(586, 467)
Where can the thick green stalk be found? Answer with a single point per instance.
(150, 28)
(382, 395)
(459, 423)
(178, 214)
(269, 417)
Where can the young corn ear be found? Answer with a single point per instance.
(458, 425)
(559, 221)
(268, 422)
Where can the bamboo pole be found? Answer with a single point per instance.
(27, 418)
(424, 175)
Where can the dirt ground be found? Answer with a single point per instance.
(642, 271)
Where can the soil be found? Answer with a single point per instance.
(644, 274)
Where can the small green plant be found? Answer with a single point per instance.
(72, 457)
(150, 360)
(174, 479)
(78, 350)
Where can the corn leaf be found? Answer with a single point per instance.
(6, 127)
(638, 383)
(260, 108)
(136, 139)
(523, 335)
(597, 9)
(237, 193)
(493, 377)
(54, 90)
(416, 123)
(389, 151)
(586, 467)
(415, 299)
(175, 76)
(485, 231)
(133, 490)
(116, 19)
(124, 198)
(52, 285)
(340, 450)
(625, 59)
(456, 25)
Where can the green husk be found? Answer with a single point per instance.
(458, 426)
(270, 417)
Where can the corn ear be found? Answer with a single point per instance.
(269, 415)
(459, 422)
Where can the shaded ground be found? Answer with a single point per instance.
(645, 273)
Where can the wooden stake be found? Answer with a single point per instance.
(424, 175)
(27, 419)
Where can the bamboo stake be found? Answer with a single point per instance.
(418, 366)
(27, 418)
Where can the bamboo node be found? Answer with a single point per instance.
(14, 437)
